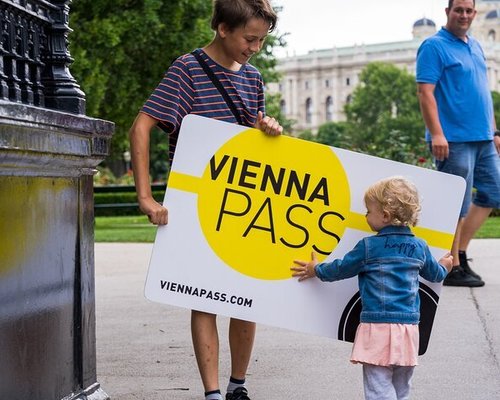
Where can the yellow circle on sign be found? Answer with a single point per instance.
(265, 201)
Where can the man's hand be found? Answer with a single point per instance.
(440, 148)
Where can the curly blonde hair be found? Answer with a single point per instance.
(398, 197)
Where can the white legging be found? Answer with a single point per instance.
(387, 383)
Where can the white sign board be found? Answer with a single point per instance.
(244, 205)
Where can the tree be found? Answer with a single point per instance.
(334, 134)
(384, 115)
(122, 49)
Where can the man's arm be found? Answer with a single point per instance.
(429, 109)
(139, 145)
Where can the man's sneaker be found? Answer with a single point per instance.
(464, 263)
(239, 393)
(458, 277)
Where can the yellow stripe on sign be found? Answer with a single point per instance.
(358, 221)
(180, 181)
(433, 238)
(442, 240)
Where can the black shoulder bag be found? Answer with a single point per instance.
(218, 85)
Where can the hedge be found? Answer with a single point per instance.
(112, 204)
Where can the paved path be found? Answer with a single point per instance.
(144, 349)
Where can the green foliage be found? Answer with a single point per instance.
(334, 134)
(384, 106)
(383, 118)
(308, 135)
(122, 48)
(159, 166)
(496, 107)
(105, 177)
(490, 229)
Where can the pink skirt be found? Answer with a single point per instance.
(386, 344)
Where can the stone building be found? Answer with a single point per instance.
(316, 86)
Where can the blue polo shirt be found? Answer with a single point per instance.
(459, 71)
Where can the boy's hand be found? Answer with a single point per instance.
(447, 261)
(157, 214)
(268, 125)
(305, 269)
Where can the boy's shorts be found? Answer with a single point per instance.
(479, 164)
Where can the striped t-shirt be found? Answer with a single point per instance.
(186, 89)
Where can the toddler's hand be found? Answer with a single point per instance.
(447, 261)
(305, 269)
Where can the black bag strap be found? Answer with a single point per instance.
(218, 85)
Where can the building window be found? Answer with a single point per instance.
(306, 85)
(348, 99)
(327, 83)
(329, 108)
(308, 110)
(347, 81)
(283, 107)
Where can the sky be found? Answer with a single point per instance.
(319, 24)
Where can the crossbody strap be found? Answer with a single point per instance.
(218, 85)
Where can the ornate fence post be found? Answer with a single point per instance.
(48, 154)
(61, 90)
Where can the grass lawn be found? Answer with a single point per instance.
(124, 229)
(138, 229)
(490, 229)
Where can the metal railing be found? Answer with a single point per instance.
(34, 56)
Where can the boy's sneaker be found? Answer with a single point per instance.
(458, 277)
(464, 263)
(239, 393)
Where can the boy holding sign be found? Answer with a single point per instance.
(216, 82)
(388, 266)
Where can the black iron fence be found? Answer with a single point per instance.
(34, 56)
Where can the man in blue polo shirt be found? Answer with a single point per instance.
(457, 109)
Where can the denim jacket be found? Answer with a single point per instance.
(388, 266)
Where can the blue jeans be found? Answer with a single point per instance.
(479, 164)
